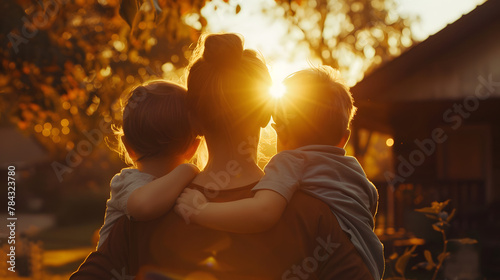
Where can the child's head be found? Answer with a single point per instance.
(155, 123)
(317, 109)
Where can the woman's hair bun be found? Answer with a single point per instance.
(223, 49)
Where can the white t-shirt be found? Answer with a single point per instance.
(122, 185)
(326, 173)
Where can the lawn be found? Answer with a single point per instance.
(65, 248)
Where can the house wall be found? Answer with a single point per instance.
(446, 132)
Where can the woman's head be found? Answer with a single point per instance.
(155, 121)
(228, 86)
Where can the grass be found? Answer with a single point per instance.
(65, 248)
(68, 237)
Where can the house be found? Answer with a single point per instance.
(19, 150)
(25, 156)
(437, 110)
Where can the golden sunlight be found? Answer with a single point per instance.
(283, 52)
(277, 89)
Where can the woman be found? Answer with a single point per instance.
(229, 104)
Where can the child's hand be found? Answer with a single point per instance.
(189, 203)
(192, 198)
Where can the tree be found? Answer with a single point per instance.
(64, 63)
(339, 32)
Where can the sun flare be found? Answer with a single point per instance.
(277, 90)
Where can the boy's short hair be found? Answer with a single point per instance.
(154, 121)
(321, 98)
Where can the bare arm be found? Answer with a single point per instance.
(157, 197)
(250, 215)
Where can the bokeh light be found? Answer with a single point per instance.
(38, 128)
(64, 122)
(65, 130)
(389, 142)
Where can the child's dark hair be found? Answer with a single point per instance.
(155, 121)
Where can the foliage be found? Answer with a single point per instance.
(435, 212)
(339, 31)
(64, 63)
(165, 10)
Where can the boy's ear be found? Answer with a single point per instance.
(345, 139)
(192, 149)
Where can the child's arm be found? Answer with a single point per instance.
(157, 197)
(250, 215)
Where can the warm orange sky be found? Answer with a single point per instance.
(435, 14)
(284, 56)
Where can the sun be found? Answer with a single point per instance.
(277, 89)
(279, 71)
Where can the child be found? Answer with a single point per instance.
(157, 140)
(313, 128)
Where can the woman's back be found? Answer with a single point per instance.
(306, 242)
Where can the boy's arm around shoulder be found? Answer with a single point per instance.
(157, 197)
(249, 215)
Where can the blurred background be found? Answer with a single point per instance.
(425, 76)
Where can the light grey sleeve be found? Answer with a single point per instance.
(122, 189)
(282, 174)
(122, 185)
